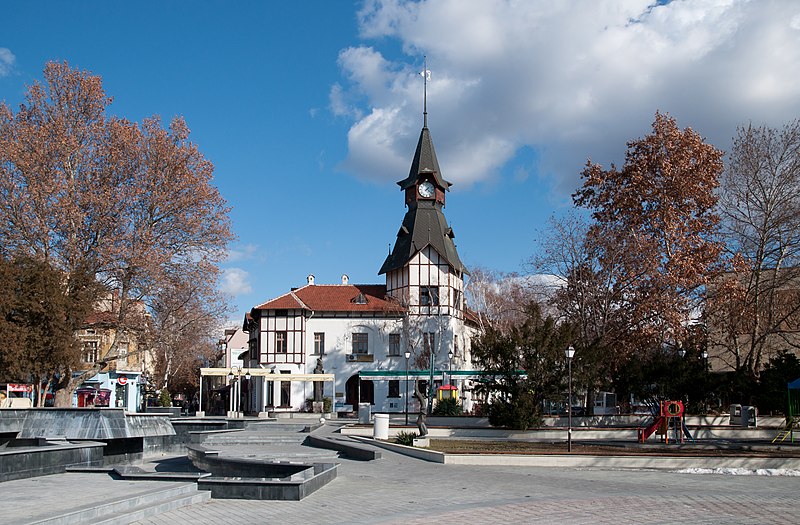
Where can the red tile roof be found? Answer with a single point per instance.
(335, 298)
(100, 318)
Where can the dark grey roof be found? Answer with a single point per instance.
(424, 224)
(424, 163)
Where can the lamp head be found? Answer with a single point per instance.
(570, 352)
(407, 354)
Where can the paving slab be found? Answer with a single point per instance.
(33, 499)
(401, 490)
(397, 489)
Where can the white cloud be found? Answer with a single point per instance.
(242, 253)
(571, 79)
(235, 281)
(7, 60)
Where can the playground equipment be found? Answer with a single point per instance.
(792, 413)
(667, 415)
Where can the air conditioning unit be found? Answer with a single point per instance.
(352, 358)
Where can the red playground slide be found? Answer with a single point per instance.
(645, 433)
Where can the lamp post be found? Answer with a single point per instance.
(236, 371)
(570, 353)
(432, 360)
(407, 356)
(704, 355)
(450, 360)
(247, 379)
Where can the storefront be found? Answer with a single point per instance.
(114, 389)
(10, 391)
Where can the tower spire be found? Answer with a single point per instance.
(425, 75)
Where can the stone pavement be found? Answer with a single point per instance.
(399, 490)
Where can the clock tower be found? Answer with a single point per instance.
(423, 269)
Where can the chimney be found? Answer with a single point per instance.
(310, 279)
(345, 279)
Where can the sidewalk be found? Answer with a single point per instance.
(397, 489)
(401, 490)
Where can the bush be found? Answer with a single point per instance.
(448, 407)
(327, 404)
(164, 399)
(405, 438)
(521, 414)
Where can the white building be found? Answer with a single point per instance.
(361, 333)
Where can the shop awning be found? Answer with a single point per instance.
(266, 373)
(385, 375)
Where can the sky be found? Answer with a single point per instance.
(310, 110)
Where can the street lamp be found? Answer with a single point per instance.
(235, 371)
(450, 360)
(570, 353)
(407, 356)
(704, 355)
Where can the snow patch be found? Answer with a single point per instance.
(741, 471)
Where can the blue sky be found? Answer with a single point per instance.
(310, 110)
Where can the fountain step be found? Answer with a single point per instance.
(129, 509)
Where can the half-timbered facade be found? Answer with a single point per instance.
(361, 333)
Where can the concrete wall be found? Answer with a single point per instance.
(28, 462)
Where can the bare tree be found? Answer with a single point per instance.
(498, 299)
(756, 305)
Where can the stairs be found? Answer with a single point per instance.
(787, 431)
(128, 509)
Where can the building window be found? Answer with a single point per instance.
(122, 354)
(429, 296)
(394, 388)
(456, 299)
(89, 354)
(319, 343)
(280, 342)
(394, 344)
(360, 343)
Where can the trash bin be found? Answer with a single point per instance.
(381, 428)
(736, 415)
(749, 416)
(364, 413)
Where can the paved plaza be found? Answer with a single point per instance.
(402, 490)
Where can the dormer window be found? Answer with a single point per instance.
(360, 299)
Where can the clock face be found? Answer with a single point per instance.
(426, 190)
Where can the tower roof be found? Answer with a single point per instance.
(424, 163)
(423, 225)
